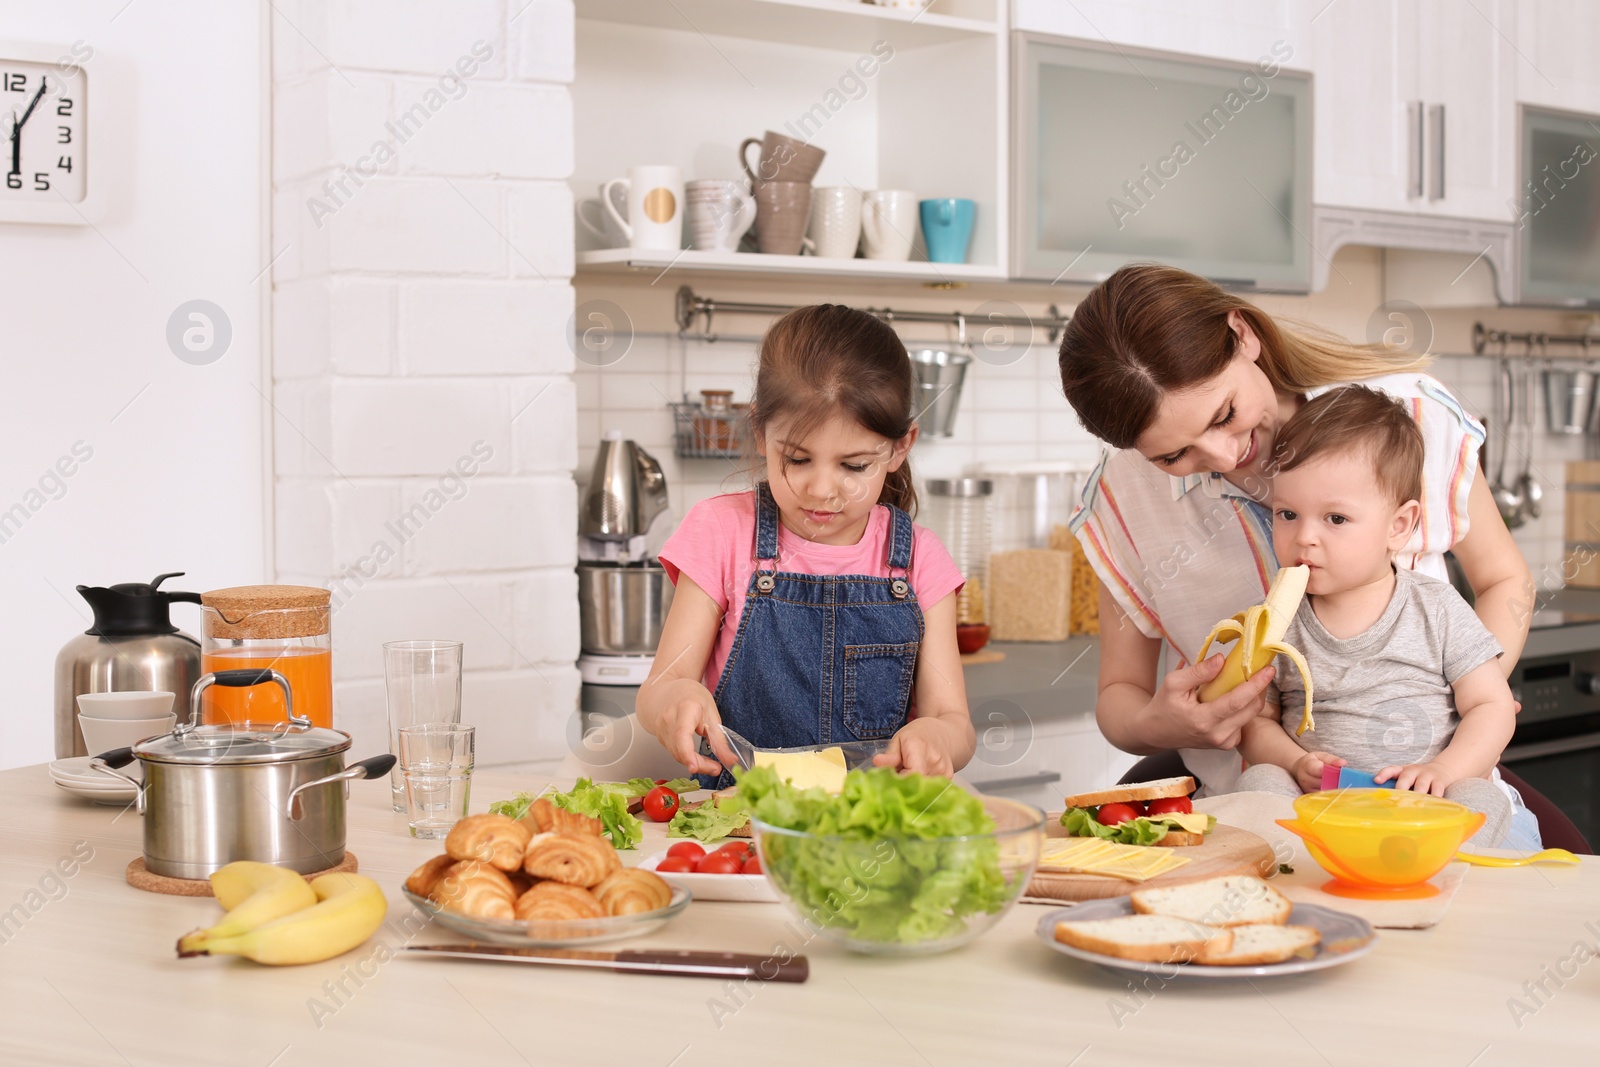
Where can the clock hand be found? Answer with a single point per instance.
(16, 130)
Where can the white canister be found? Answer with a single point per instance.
(889, 224)
(835, 228)
(655, 207)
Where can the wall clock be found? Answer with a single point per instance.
(50, 165)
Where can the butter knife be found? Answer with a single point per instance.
(680, 962)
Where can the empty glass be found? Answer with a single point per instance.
(436, 763)
(423, 679)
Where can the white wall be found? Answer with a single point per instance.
(175, 479)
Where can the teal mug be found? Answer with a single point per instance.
(947, 228)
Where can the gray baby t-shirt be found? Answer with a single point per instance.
(1383, 697)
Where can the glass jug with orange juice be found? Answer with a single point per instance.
(284, 627)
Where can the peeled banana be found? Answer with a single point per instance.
(1260, 631)
(345, 911)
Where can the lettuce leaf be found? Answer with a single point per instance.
(709, 821)
(634, 788)
(606, 802)
(877, 871)
(1144, 830)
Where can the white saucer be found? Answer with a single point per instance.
(77, 769)
(119, 794)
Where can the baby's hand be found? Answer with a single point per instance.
(921, 745)
(1308, 770)
(1432, 778)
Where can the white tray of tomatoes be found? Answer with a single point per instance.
(731, 871)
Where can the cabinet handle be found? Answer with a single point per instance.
(1436, 152)
(1414, 150)
(1020, 782)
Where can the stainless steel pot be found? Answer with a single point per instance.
(270, 792)
(621, 607)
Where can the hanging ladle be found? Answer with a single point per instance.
(1528, 486)
(1506, 498)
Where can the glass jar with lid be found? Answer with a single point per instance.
(961, 512)
(284, 627)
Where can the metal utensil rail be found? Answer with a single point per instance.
(690, 306)
(1483, 337)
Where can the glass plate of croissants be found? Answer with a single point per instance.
(547, 879)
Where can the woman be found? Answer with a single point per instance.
(1189, 385)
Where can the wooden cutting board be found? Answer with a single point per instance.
(1228, 850)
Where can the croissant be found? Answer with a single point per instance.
(554, 902)
(547, 818)
(424, 878)
(573, 859)
(495, 839)
(631, 891)
(475, 889)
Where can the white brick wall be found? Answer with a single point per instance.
(425, 424)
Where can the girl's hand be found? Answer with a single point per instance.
(1432, 778)
(1307, 770)
(921, 745)
(690, 716)
(1217, 724)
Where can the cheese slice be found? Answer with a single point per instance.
(1196, 822)
(1091, 855)
(823, 769)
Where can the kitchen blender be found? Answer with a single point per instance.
(623, 593)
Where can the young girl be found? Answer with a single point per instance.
(811, 610)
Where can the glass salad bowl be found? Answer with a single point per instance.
(903, 895)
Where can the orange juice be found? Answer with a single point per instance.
(310, 675)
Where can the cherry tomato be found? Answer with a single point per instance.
(660, 804)
(662, 781)
(676, 865)
(689, 850)
(737, 849)
(752, 865)
(718, 863)
(1139, 807)
(1169, 805)
(1113, 814)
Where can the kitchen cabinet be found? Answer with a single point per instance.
(898, 99)
(1415, 108)
(1241, 31)
(1555, 62)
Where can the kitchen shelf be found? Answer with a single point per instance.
(833, 24)
(624, 260)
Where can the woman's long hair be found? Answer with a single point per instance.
(1150, 329)
(827, 359)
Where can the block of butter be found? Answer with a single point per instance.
(822, 769)
(1090, 855)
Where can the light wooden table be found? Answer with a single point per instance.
(88, 975)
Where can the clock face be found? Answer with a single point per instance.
(43, 146)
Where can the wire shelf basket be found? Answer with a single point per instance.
(700, 433)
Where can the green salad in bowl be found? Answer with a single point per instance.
(894, 863)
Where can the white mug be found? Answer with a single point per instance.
(655, 207)
(606, 231)
(889, 224)
(720, 212)
(835, 225)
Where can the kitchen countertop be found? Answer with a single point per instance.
(90, 977)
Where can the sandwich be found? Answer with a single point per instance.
(1139, 813)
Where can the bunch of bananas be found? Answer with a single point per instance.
(1260, 631)
(275, 916)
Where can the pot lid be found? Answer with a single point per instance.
(243, 743)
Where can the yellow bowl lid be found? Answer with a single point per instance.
(1380, 807)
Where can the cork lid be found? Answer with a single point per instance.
(264, 612)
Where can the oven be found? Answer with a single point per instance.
(1556, 747)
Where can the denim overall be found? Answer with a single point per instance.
(821, 659)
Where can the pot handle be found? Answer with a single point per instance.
(242, 678)
(372, 767)
(119, 757)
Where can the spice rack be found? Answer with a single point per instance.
(707, 430)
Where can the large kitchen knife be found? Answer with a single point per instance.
(648, 961)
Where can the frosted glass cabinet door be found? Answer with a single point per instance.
(1559, 225)
(1125, 156)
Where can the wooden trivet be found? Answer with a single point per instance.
(140, 878)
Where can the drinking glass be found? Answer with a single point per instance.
(436, 761)
(423, 679)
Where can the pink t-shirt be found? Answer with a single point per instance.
(715, 547)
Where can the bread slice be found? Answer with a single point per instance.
(1232, 900)
(1148, 938)
(1161, 787)
(1262, 943)
(1175, 838)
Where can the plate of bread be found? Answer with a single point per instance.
(1232, 927)
(549, 880)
